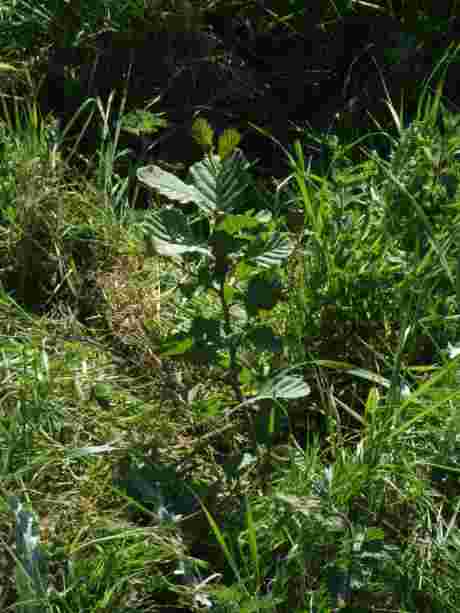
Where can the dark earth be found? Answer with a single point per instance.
(325, 78)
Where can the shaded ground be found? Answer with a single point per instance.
(228, 72)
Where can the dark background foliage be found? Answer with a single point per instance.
(236, 64)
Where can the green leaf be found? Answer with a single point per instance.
(281, 386)
(284, 386)
(307, 505)
(220, 183)
(167, 184)
(264, 216)
(252, 538)
(222, 542)
(243, 270)
(205, 177)
(233, 224)
(142, 122)
(245, 376)
(353, 370)
(229, 292)
(176, 344)
(237, 312)
(277, 249)
(92, 450)
(102, 394)
(7, 67)
(228, 141)
(203, 134)
(170, 234)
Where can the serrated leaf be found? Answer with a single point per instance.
(220, 183)
(140, 121)
(204, 175)
(285, 386)
(228, 141)
(233, 181)
(170, 235)
(202, 133)
(167, 184)
(277, 249)
(282, 386)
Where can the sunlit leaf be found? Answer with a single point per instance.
(170, 235)
(203, 134)
(277, 249)
(228, 141)
(167, 184)
(284, 386)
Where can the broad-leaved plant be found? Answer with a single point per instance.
(240, 255)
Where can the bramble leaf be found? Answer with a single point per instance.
(170, 235)
(167, 184)
(277, 249)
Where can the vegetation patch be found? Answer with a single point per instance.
(222, 390)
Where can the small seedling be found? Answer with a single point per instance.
(240, 263)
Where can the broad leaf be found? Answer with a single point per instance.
(203, 134)
(170, 235)
(204, 175)
(140, 121)
(220, 183)
(277, 249)
(176, 344)
(281, 386)
(237, 223)
(285, 386)
(228, 141)
(167, 184)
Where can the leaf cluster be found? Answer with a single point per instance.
(238, 260)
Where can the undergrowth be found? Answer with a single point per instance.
(237, 399)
